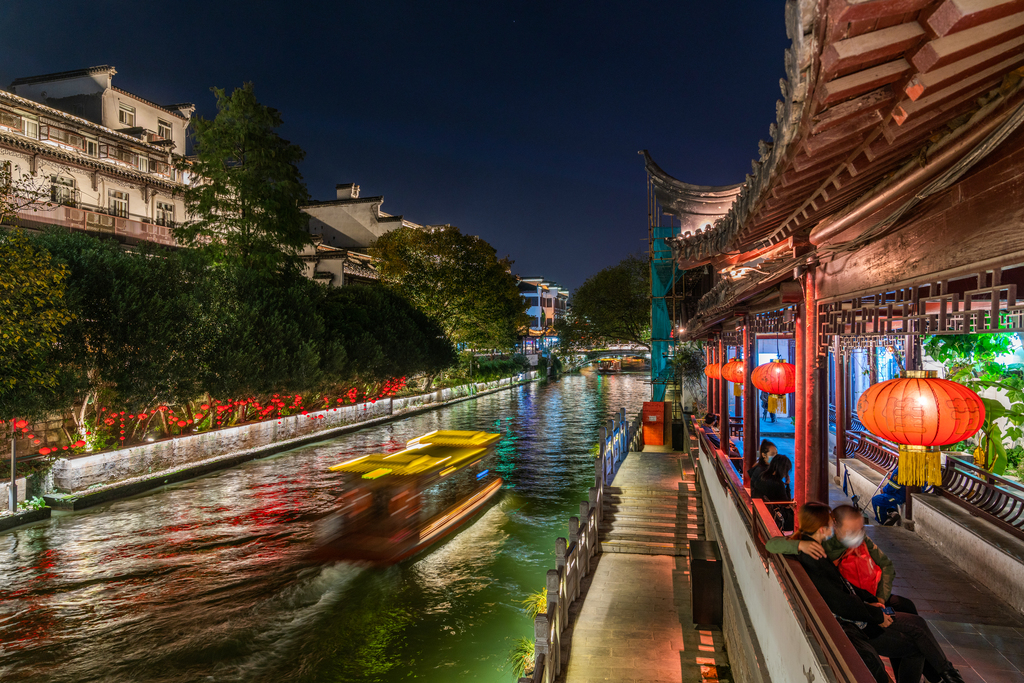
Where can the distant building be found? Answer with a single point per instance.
(547, 302)
(337, 267)
(350, 221)
(97, 158)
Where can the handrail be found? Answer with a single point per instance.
(573, 555)
(811, 611)
(994, 498)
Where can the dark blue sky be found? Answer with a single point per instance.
(516, 121)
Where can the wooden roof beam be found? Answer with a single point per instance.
(840, 113)
(923, 85)
(970, 87)
(841, 13)
(944, 51)
(851, 86)
(884, 45)
(953, 16)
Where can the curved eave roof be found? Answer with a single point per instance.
(685, 199)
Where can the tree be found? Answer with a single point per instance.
(248, 187)
(614, 305)
(457, 280)
(384, 335)
(33, 312)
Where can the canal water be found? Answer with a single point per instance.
(205, 580)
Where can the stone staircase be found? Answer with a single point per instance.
(651, 520)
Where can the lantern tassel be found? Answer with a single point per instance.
(737, 389)
(777, 403)
(920, 466)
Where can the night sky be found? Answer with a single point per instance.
(516, 121)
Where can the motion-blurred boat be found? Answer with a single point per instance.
(396, 505)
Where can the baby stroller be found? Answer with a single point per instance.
(887, 500)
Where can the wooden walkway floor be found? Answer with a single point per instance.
(636, 623)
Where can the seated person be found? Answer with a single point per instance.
(773, 487)
(765, 453)
(887, 501)
(710, 420)
(897, 635)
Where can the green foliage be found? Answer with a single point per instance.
(36, 503)
(246, 207)
(972, 361)
(536, 603)
(457, 280)
(688, 365)
(33, 313)
(613, 305)
(521, 657)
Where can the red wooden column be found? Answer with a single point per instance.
(841, 399)
(723, 402)
(800, 411)
(710, 350)
(815, 452)
(751, 414)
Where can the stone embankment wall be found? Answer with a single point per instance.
(74, 475)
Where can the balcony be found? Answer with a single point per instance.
(11, 120)
(94, 221)
(48, 133)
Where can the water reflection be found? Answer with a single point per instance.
(206, 580)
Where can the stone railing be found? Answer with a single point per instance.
(573, 555)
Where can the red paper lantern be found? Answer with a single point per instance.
(734, 370)
(713, 371)
(921, 412)
(777, 377)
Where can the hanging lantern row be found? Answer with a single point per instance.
(713, 371)
(921, 412)
(776, 379)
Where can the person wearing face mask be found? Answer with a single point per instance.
(898, 635)
(765, 453)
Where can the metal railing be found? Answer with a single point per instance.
(809, 607)
(988, 496)
(573, 555)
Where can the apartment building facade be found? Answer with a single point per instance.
(547, 302)
(93, 157)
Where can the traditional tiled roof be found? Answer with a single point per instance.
(64, 75)
(152, 104)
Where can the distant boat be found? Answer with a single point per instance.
(396, 505)
(635, 364)
(609, 366)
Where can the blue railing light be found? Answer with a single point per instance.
(482, 474)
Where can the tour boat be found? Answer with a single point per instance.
(609, 366)
(395, 505)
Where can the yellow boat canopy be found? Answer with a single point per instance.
(433, 452)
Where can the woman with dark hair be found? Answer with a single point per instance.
(765, 453)
(890, 634)
(773, 487)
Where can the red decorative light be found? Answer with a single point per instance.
(713, 371)
(21, 424)
(921, 412)
(44, 451)
(777, 377)
(734, 370)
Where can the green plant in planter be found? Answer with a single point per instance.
(536, 603)
(521, 657)
(36, 503)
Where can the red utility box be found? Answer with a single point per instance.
(654, 423)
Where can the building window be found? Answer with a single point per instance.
(62, 190)
(32, 129)
(165, 214)
(126, 115)
(90, 148)
(163, 129)
(117, 203)
(144, 164)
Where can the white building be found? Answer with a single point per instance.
(350, 221)
(547, 302)
(99, 158)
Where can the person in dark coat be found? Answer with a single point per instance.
(773, 487)
(902, 636)
(765, 453)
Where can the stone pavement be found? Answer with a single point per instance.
(635, 624)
